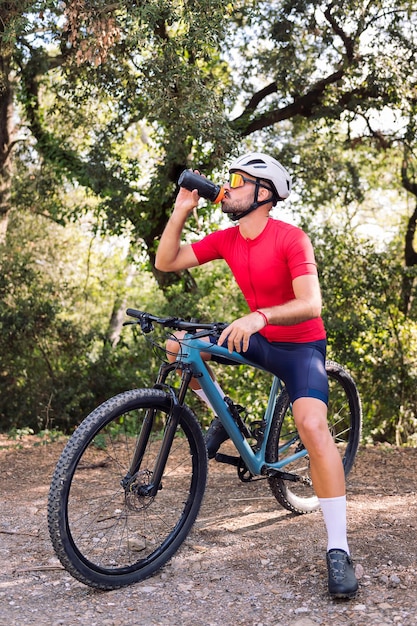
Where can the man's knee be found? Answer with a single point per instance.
(311, 420)
(172, 346)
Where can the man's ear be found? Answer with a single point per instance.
(264, 193)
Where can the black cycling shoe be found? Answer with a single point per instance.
(342, 579)
(214, 437)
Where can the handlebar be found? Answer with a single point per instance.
(147, 320)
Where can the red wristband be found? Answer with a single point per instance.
(264, 316)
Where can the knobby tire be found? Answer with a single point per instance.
(108, 535)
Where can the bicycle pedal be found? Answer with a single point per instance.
(227, 459)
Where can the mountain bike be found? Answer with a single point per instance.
(128, 486)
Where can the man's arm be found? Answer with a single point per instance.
(171, 256)
(305, 306)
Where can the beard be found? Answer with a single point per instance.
(235, 208)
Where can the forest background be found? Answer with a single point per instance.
(104, 104)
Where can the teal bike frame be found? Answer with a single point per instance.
(189, 360)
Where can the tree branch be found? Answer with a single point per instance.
(347, 41)
(303, 106)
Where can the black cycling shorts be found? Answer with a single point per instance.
(300, 365)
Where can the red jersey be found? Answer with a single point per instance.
(264, 269)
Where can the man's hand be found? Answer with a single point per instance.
(185, 202)
(238, 333)
(171, 256)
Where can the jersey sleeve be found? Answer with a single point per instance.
(210, 247)
(300, 254)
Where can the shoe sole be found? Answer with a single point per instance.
(343, 596)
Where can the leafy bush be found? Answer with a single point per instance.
(368, 333)
(57, 362)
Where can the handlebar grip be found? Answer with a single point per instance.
(134, 313)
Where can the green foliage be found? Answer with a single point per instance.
(121, 98)
(114, 101)
(56, 360)
(367, 331)
(57, 363)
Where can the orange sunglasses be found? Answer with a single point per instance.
(238, 180)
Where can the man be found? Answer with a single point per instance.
(273, 264)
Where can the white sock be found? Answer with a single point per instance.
(201, 394)
(334, 513)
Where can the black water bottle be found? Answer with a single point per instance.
(206, 189)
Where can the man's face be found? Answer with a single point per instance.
(239, 193)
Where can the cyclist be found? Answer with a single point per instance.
(273, 263)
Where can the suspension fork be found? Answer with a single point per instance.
(145, 432)
(169, 432)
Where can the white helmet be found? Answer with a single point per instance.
(263, 166)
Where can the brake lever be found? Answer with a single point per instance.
(146, 325)
(202, 333)
(216, 331)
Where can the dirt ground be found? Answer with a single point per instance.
(247, 562)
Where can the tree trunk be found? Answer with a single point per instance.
(6, 144)
(410, 253)
(410, 259)
(165, 280)
(118, 315)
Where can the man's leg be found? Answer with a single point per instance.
(328, 479)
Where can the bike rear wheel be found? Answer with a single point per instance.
(105, 530)
(345, 424)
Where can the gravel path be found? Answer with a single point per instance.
(247, 562)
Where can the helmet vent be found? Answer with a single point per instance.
(256, 162)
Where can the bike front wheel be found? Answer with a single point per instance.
(105, 527)
(345, 424)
